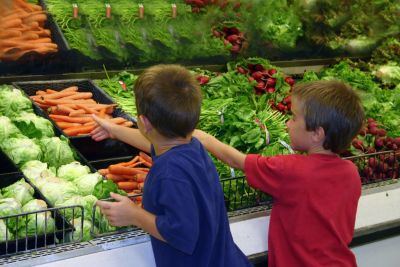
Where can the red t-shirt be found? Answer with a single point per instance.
(314, 211)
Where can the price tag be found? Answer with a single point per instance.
(141, 11)
(173, 10)
(108, 11)
(75, 11)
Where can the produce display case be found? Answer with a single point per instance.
(299, 38)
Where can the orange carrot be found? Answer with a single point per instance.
(86, 95)
(65, 125)
(103, 171)
(88, 110)
(132, 161)
(117, 120)
(60, 101)
(102, 113)
(57, 95)
(6, 34)
(145, 157)
(140, 186)
(140, 178)
(13, 23)
(77, 113)
(40, 92)
(51, 91)
(116, 169)
(71, 119)
(72, 131)
(64, 109)
(127, 185)
(127, 124)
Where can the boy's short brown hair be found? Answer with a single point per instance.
(170, 97)
(334, 106)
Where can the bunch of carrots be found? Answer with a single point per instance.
(72, 110)
(130, 176)
(22, 30)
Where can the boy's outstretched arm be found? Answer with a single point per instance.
(127, 135)
(221, 151)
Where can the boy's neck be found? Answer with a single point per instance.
(320, 150)
(162, 144)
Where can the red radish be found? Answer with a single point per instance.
(383, 166)
(372, 162)
(251, 79)
(373, 130)
(241, 70)
(257, 75)
(235, 48)
(271, 82)
(272, 71)
(271, 90)
(232, 38)
(395, 147)
(260, 85)
(372, 124)
(381, 132)
(280, 107)
(289, 106)
(358, 144)
(397, 141)
(363, 132)
(289, 80)
(259, 67)
(379, 143)
(368, 172)
(216, 33)
(203, 79)
(391, 160)
(370, 120)
(371, 150)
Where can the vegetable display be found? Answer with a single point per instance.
(22, 31)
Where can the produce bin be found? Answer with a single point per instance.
(88, 148)
(60, 234)
(7, 166)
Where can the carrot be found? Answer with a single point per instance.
(117, 120)
(133, 165)
(140, 178)
(71, 119)
(132, 161)
(88, 110)
(13, 23)
(64, 109)
(77, 113)
(40, 18)
(40, 92)
(72, 131)
(51, 91)
(127, 185)
(57, 95)
(127, 124)
(44, 40)
(102, 113)
(68, 101)
(86, 95)
(103, 171)
(28, 36)
(65, 125)
(145, 157)
(117, 169)
(6, 34)
(140, 186)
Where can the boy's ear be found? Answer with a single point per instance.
(318, 135)
(146, 123)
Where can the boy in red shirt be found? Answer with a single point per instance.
(315, 195)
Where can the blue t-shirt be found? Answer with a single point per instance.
(183, 190)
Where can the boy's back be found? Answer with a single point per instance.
(183, 190)
(315, 205)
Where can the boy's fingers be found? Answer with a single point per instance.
(117, 197)
(103, 204)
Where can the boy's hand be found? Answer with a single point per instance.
(103, 130)
(119, 213)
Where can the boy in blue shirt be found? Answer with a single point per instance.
(183, 202)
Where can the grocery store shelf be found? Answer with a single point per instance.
(378, 217)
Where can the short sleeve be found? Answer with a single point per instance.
(179, 222)
(264, 173)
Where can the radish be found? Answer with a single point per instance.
(280, 107)
(381, 132)
(370, 120)
(232, 38)
(372, 124)
(391, 160)
(289, 80)
(241, 70)
(235, 48)
(251, 79)
(358, 144)
(372, 162)
(395, 147)
(257, 75)
(272, 71)
(379, 143)
(383, 166)
(271, 82)
(216, 33)
(397, 141)
(371, 150)
(271, 90)
(368, 172)
(373, 131)
(259, 67)
(260, 85)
